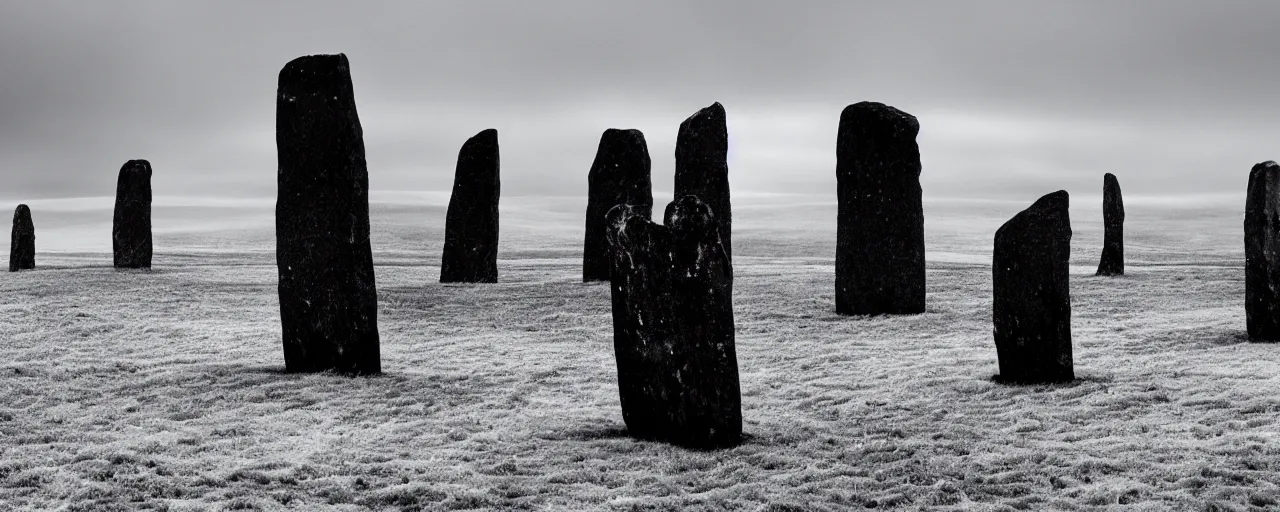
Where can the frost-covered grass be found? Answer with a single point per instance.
(164, 389)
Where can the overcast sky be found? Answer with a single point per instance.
(1015, 98)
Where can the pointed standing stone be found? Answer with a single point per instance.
(328, 298)
(880, 234)
(131, 227)
(1032, 307)
(673, 326)
(22, 248)
(1262, 253)
(619, 175)
(1112, 263)
(471, 223)
(702, 167)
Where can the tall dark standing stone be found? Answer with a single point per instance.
(1262, 253)
(702, 167)
(1032, 308)
(471, 224)
(22, 248)
(880, 233)
(673, 326)
(619, 175)
(328, 301)
(131, 229)
(1112, 263)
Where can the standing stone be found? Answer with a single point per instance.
(673, 326)
(1112, 263)
(328, 301)
(131, 229)
(471, 224)
(1262, 253)
(1032, 308)
(22, 248)
(619, 175)
(880, 233)
(702, 167)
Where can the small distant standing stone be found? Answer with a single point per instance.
(1262, 253)
(1032, 306)
(702, 167)
(471, 223)
(131, 229)
(673, 330)
(22, 249)
(880, 265)
(1112, 262)
(328, 298)
(619, 175)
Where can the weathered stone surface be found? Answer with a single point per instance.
(619, 175)
(1112, 262)
(131, 228)
(328, 300)
(1262, 253)
(22, 247)
(702, 168)
(880, 223)
(471, 223)
(1032, 308)
(673, 326)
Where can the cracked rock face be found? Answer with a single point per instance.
(328, 301)
(131, 226)
(1262, 252)
(1112, 261)
(22, 248)
(471, 223)
(619, 175)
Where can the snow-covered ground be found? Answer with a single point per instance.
(164, 389)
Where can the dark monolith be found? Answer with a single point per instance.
(673, 326)
(1112, 262)
(328, 301)
(702, 167)
(1032, 307)
(471, 223)
(131, 228)
(880, 222)
(619, 175)
(1262, 253)
(22, 247)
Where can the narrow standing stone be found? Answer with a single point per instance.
(328, 299)
(702, 167)
(22, 248)
(1032, 307)
(131, 228)
(673, 326)
(1262, 253)
(471, 223)
(1112, 262)
(880, 234)
(619, 175)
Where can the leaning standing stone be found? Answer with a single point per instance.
(471, 223)
(131, 228)
(328, 301)
(880, 223)
(673, 326)
(619, 175)
(1112, 262)
(1032, 307)
(22, 248)
(1262, 253)
(702, 167)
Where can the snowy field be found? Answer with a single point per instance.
(164, 390)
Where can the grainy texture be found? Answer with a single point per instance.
(880, 233)
(22, 240)
(1262, 252)
(1031, 307)
(328, 297)
(619, 175)
(673, 326)
(1112, 261)
(131, 226)
(471, 226)
(702, 167)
